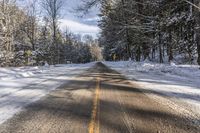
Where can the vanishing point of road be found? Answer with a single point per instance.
(100, 100)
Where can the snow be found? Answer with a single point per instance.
(22, 86)
(177, 86)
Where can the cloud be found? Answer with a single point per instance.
(96, 18)
(78, 27)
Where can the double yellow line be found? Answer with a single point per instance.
(94, 123)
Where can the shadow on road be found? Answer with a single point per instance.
(123, 108)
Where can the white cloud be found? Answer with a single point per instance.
(77, 27)
(92, 19)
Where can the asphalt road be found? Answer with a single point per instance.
(98, 101)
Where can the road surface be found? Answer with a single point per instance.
(100, 100)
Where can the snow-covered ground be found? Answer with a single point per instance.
(22, 86)
(177, 86)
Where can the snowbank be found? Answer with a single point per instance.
(177, 86)
(22, 86)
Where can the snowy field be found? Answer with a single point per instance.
(177, 86)
(24, 85)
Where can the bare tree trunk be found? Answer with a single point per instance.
(160, 49)
(127, 31)
(153, 53)
(170, 47)
(197, 29)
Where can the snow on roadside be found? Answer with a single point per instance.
(177, 86)
(22, 86)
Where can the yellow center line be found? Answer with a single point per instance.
(94, 123)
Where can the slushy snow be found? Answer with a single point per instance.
(22, 86)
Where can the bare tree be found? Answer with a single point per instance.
(53, 12)
(30, 27)
(7, 27)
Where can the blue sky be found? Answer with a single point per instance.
(70, 20)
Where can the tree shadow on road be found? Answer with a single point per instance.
(69, 110)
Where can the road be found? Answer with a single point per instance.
(100, 100)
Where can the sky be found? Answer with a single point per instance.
(82, 25)
(71, 20)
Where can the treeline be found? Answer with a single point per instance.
(31, 36)
(157, 30)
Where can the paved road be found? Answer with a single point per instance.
(98, 101)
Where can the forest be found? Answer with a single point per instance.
(155, 30)
(30, 35)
